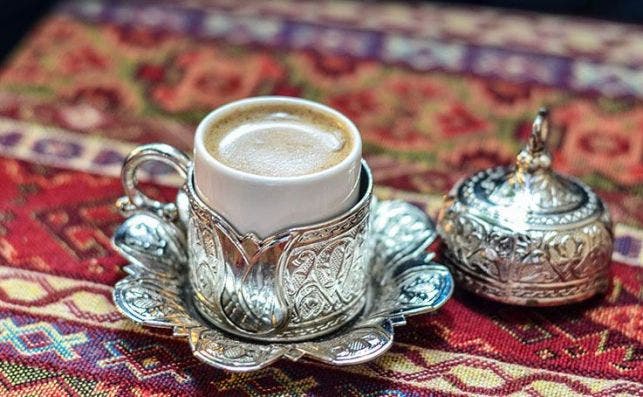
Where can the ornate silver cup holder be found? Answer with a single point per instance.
(404, 281)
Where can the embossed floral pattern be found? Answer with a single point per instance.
(152, 297)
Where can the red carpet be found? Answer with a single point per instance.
(437, 93)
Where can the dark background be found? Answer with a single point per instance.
(17, 17)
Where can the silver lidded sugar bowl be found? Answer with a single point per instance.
(525, 234)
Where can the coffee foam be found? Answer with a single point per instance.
(278, 140)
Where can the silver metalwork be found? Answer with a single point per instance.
(134, 197)
(295, 285)
(157, 291)
(299, 284)
(525, 234)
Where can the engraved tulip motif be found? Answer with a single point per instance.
(281, 286)
(310, 302)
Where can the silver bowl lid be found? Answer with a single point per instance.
(530, 194)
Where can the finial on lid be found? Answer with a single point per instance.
(535, 155)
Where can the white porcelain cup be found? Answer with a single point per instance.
(265, 205)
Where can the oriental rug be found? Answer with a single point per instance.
(437, 92)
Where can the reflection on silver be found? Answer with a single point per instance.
(299, 284)
(525, 234)
(157, 292)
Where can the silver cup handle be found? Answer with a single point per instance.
(137, 200)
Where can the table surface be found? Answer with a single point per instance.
(437, 93)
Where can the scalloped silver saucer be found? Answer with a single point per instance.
(404, 282)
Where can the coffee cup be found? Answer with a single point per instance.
(269, 163)
(276, 251)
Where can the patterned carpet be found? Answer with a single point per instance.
(437, 92)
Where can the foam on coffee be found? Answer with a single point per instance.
(278, 140)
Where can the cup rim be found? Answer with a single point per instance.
(199, 147)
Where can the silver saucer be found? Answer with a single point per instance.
(404, 282)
